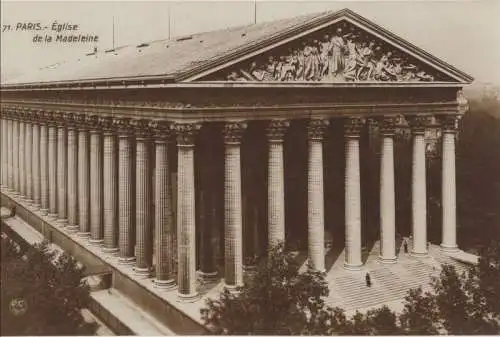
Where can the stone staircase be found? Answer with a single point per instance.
(390, 283)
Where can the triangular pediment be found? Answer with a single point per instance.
(343, 48)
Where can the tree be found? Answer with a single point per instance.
(42, 292)
(277, 299)
(420, 314)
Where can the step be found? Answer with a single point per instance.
(129, 318)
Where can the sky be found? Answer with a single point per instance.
(464, 33)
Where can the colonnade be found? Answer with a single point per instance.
(53, 160)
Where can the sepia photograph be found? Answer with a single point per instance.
(250, 167)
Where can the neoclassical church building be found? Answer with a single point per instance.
(177, 163)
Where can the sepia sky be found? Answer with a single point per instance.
(463, 33)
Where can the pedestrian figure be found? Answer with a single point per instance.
(13, 212)
(405, 246)
(368, 280)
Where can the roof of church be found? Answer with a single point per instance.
(183, 57)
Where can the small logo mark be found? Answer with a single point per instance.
(18, 306)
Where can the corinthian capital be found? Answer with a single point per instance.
(276, 130)
(353, 125)
(418, 123)
(233, 132)
(161, 129)
(316, 128)
(388, 125)
(186, 133)
(449, 123)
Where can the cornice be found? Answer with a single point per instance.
(218, 114)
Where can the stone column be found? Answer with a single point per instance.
(52, 159)
(353, 257)
(44, 165)
(96, 183)
(387, 193)
(72, 175)
(208, 184)
(186, 226)
(449, 196)
(4, 151)
(62, 172)
(15, 155)
(35, 159)
(110, 194)
(27, 158)
(276, 182)
(164, 227)
(143, 212)
(10, 156)
(21, 156)
(316, 203)
(233, 237)
(419, 196)
(83, 177)
(126, 240)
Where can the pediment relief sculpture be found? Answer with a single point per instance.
(339, 53)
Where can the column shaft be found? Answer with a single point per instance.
(62, 175)
(186, 225)
(110, 194)
(419, 196)
(144, 247)
(35, 159)
(10, 155)
(353, 256)
(387, 201)
(449, 197)
(164, 228)
(315, 195)
(52, 170)
(72, 179)
(96, 188)
(125, 199)
(44, 168)
(21, 157)
(4, 151)
(276, 182)
(15, 155)
(83, 183)
(27, 160)
(233, 238)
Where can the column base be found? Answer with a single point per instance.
(233, 288)
(449, 249)
(96, 242)
(62, 222)
(111, 250)
(126, 260)
(419, 254)
(386, 260)
(142, 272)
(72, 229)
(212, 276)
(83, 234)
(44, 211)
(192, 297)
(164, 284)
(52, 216)
(353, 267)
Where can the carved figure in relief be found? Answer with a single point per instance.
(336, 64)
(365, 60)
(352, 59)
(334, 56)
